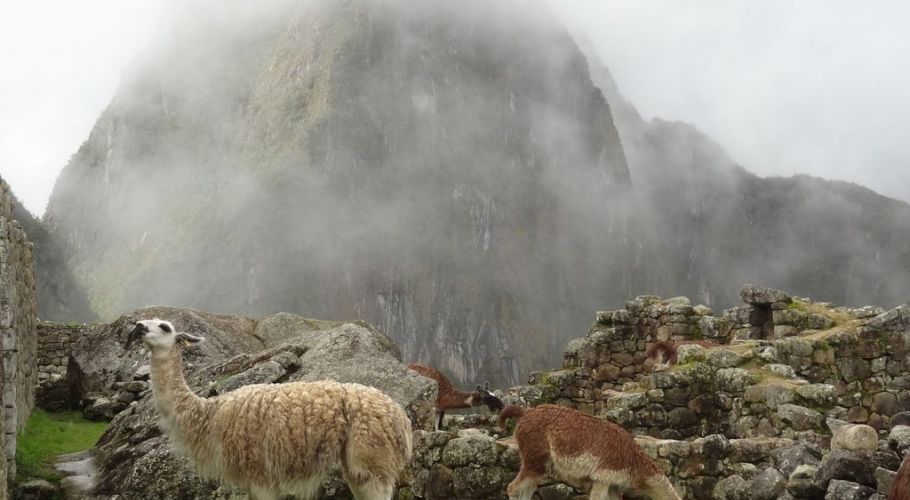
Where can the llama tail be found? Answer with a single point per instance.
(506, 413)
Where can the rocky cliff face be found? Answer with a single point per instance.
(713, 225)
(18, 337)
(449, 171)
(439, 169)
(60, 296)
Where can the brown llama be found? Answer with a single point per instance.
(450, 398)
(582, 449)
(663, 353)
(900, 488)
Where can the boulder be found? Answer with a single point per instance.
(846, 490)
(768, 485)
(787, 459)
(733, 488)
(802, 482)
(884, 479)
(37, 489)
(899, 439)
(858, 467)
(724, 358)
(854, 437)
(470, 448)
(799, 418)
(136, 461)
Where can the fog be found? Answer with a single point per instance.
(447, 171)
(816, 87)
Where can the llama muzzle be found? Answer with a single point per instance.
(135, 334)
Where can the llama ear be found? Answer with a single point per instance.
(486, 386)
(187, 340)
(479, 388)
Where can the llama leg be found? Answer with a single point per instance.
(605, 491)
(373, 489)
(440, 414)
(524, 485)
(659, 488)
(257, 493)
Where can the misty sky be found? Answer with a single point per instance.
(816, 86)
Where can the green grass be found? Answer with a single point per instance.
(49, 435)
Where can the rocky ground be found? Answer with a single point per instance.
(795, 400)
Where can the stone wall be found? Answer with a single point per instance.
(55, 345)
(18, 317)
(473, 463)
(817, 362)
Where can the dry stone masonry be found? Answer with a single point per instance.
(55, 345)
(18, 316)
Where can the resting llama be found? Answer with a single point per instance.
(663, 353)
(277, 439)
(450, 398)
(582, 450)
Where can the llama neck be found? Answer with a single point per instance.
(172, 395)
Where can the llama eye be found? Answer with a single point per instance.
(165, 328)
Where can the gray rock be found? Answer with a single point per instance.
(788, 459)
(846, 490)
(899, 439)
(858, 467)
(895, 320)
(262, 373)
(758, 295)
(479, 483)
(288, 360)
(142, 373)
(471, 448)
(767, 354)
(883, 480)
(802, 482)
(733, 488)
(884, 403)
(818, 394)
(785, 371)
(768, 485)
(37, 489)
(799, 418)
(724, 358)
(901, 418)
(715, 446)
(803, 472)
(853, 369)
(734, 380)
(854, 437)
(137, 386)
(771, 395)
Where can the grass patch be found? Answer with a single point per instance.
(838, 317)
(848, 327)
(49, 435)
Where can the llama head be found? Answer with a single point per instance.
(159, 335)
(483, 396)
